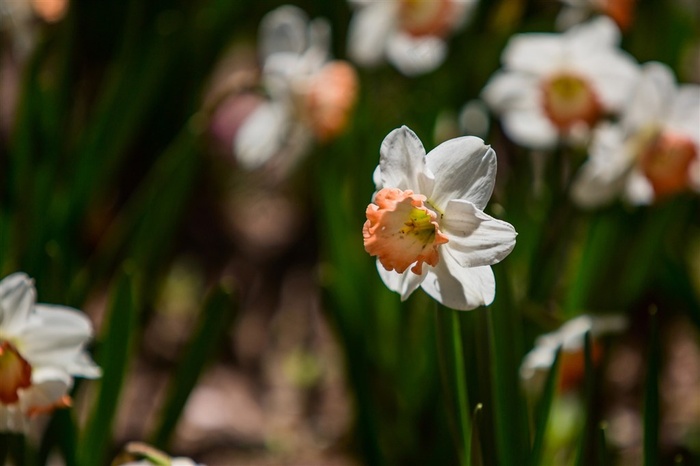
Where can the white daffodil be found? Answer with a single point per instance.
(427, 225)
(310, 96)
(653, 152)
(570, 338)
(558, 86)
(41, 349)
(411, 34)
(578, 11)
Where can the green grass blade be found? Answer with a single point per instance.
(651, 395)
(543, 409)
(218, 312)
(505, 332)
(461, 387)
(583, 457)
(118, 336)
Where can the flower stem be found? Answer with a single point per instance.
(462, 395)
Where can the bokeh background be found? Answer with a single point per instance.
(239, 320)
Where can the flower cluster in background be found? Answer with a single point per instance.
(276, 265)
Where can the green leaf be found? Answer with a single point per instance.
(543, 409)
(114, 354)
(505, 331)
(583, 456)
(215, 318)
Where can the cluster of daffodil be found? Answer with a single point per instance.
(628, 131)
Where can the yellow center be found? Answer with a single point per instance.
(15, 373)
(666, 160)
(568, 99)
(402, 231)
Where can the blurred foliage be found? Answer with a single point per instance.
(108, 159)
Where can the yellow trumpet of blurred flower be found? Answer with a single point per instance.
(426, 224)
(654, 150)
(570, 338)
(41, 350)
(311, 97)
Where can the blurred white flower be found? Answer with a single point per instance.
(41, 349)
(578, 11)
(310, 96)
(555, 86)
(654, 151)
(426, 224)
(570, 338)
(411, 34)
(19, 18)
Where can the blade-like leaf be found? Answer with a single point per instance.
(114, 354)
(543, 408)
(215, 318)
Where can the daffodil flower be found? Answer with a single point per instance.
(310, 96)
(411, 34)
(556, 87)
(570, 338)
(653, 152)
(426, 224)
(41, 350)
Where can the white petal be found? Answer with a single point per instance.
(17, 298)
(507, 90)
(464, 168)
(476, 238)
(402, 162)
(413, 56)
(685, 112)
(649, 103)
(603, 177)
(613, 76)
(56, 338)
(457, 287)
(283, 30)
(639, 190)
(530, 128)
(597, 34)
(369, 32)
(536, 53)
(401, 283)
(261, 135)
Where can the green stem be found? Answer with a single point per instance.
(462, 397)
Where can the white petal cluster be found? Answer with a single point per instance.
(589, 51)
(51, 339)
(570, 338)
(658, 105)
(376, 33)
(296, 68)
(457, 177)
